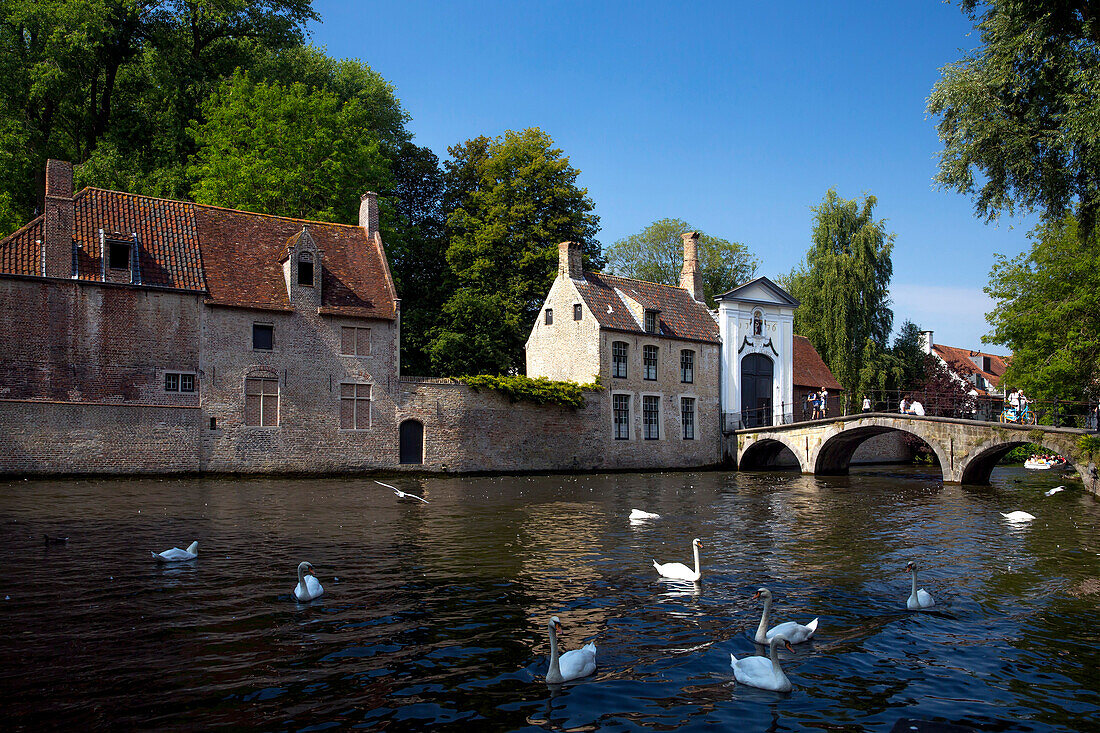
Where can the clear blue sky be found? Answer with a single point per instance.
(734, 116)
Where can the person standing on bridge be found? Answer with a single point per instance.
(811, 403)
(866, 403)
(824, 402)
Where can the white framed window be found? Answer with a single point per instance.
(179, 382)
(261, 401)
(649, 362)
(355, 403)
(620, 416)
(687, 417)
(687, 366)
(650, 321)
(618, 359)
(651, 417)
(354, 341)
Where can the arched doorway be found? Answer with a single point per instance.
(411, 439)
(756, 390)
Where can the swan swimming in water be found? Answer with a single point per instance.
(1018, 516)
(176, 554)
(571, 665)
(763, 672)
(679, 571)
(638, 515)
(794, 632)
(308, 586)
(918, 599)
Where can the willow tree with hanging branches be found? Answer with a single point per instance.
(844, 289)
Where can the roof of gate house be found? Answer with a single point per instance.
(678, 315)
(233, 256)
(809, 368)
(961, 362)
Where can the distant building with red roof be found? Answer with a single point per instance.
(980, 372)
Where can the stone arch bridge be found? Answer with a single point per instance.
(967, 450)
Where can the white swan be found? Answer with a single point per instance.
(178, 555)
(1054, 491)
(918, 599)
(308, 586)
(679, 571)
(402, 494)
(763, 672)
(571, 665)
(638, 515)
(795, 633)
(1018, 516)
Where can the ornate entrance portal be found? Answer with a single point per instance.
(756, 390)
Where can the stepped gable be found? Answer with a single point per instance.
(679, 315)
(809, 368)
(242, 253)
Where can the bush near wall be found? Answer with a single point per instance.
(539, 390)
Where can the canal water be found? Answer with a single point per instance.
(434, 615)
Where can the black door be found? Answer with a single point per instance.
(411, 435)
(756, 391)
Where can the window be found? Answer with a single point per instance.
(651, 417)
(618, 359)
(354, 406)
(651, 321)
(118, 255)
(687, 366)
(261, 401)
(649, 361)
(549, 316)
(620, 405)
(687, 417)
(263, 336)
(354, 341)
(305, 269)
(176, 382)
(578, 311)
(757, 324)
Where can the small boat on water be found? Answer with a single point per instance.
(1039, 463)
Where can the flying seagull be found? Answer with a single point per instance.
(401, 494)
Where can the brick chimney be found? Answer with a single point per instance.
(690, 279)
(368, 213)
(59, 218)
(569, 261)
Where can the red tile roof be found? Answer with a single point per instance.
(959, 360)
(232, 255)
(809, 368)
(679, 316)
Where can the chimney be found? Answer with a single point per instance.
(368, 213)
(59, 215)
(690, 279)
(569, 261)
(926, 341)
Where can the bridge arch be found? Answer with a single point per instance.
(977, 467)
(764, 453)
(839, 443)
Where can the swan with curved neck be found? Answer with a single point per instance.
(178, 555)
(679, 571)
(308, 586)
(918, 599)
(795, 633)
(761, 672)
(571, 665)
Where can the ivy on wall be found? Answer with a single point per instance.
(539, 390)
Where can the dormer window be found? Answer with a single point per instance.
(650, 321)
(118, 255)
(757, 324)
(305, 269)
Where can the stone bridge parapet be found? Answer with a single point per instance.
(966, 450)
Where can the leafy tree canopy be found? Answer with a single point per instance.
(656, 254)
(510, 200)
(1048, 313)
(1019, 116)
(843, 286)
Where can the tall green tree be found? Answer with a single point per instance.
(843, 286)
(510, 200)
(656, 254)
(1019, 115)
(285, 150)
(1048, 313)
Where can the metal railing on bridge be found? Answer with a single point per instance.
(1056, 413)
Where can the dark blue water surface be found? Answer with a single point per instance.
(434, 616)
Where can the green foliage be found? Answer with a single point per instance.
(285, 150)
(843, 286)
(1021, 453)
(510, 201)
(1019, 115)
(1089, 445)
(540, 390)
(656, 254)
(1048, 313)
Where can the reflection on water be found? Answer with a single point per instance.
(434, 616)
